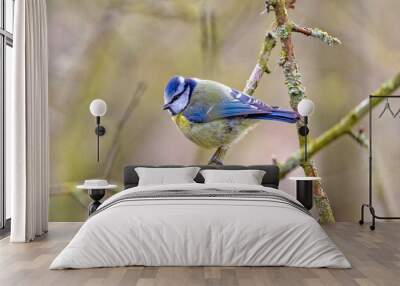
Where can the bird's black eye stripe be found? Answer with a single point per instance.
(176, 96)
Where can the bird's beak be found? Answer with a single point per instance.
(166, 106)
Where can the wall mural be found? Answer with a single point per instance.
(125, 52)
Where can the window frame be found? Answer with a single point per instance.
(6, 39)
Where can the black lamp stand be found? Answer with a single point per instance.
(303, 131)
(96, 195)
(100, 131)
(304, 188)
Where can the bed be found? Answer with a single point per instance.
(198, 224)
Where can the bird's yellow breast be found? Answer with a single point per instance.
(215, 133)
(181, 121)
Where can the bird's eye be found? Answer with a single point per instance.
(175, 97)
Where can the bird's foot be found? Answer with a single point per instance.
(215, 162)
(218, 156)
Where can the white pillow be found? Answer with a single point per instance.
(164, 176)
(247, 177)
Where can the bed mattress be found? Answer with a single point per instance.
(201, 225)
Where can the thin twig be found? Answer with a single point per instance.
(359, 137)
(317, 33)
(261, 66)
(141, 87)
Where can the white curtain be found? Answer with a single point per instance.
(27, 144)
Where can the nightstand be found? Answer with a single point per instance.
(96, 190)
(304, 190)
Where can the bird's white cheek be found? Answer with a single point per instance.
(181, 102)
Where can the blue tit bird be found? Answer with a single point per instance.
(212, 115)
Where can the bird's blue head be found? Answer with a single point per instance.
(177, 94)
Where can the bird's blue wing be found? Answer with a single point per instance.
(232, 104)
(240, 103)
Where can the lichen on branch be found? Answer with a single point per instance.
(261, 66)
(296, 92)
(318, 34)
(283, 32)
(293, 82)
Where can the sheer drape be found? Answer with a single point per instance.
(27, 159)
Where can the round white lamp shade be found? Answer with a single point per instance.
(98, 107)
(305, 107)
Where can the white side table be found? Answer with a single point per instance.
(96, 190)
(304, 190)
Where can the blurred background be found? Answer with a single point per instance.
(124, 51)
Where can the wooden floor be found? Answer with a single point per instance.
(375, 257)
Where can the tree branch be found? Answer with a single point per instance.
(342, 127)
(112, 152)
(290, 4)
(359, 137)
(296, 93)
(260, 68)
(318, 34)
(293, 82)
(269, 5)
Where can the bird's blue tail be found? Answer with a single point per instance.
(277, 114)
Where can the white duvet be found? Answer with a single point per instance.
(200, 231)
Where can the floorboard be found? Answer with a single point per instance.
(375, 257)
